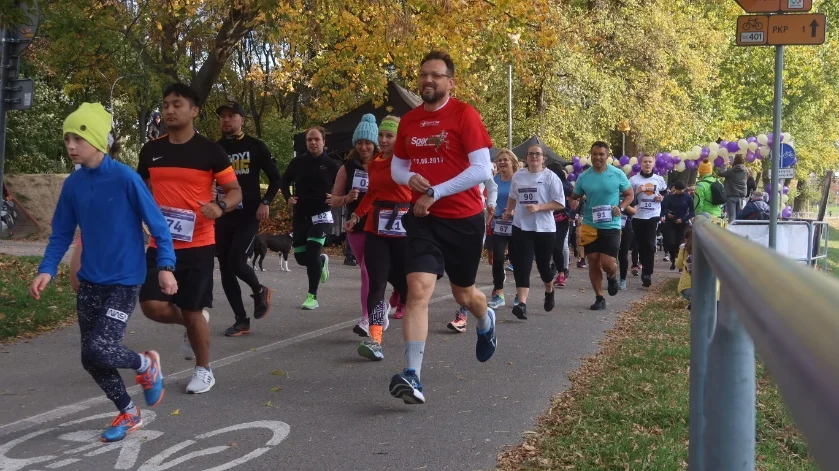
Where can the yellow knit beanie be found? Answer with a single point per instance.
(92, 123)
(705, 168)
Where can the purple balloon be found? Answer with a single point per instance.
(769, 188)
(751, 139)
(705, 152)
(690, 164)
(750, 157)
(786, 190)
(572, 177)
(675, 160)
(575, 159)
(624, 160)
(724, 144)
(669, 166)
(667, 157)
(758, 154)
(636, 168)
(659, 156)
(733, 147)
(719, 162)
(770, 136)
(577, 166)
(786, 213)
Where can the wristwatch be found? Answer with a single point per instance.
(168, 268)
(430, 192)
(266, 202)
(221, 204)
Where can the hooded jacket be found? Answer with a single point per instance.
(735, 181)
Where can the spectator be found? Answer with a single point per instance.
(676, 215)
(751, 185)
(684, 262)
(756, 209)
(703, 199)
(155, 127)
(736, 186)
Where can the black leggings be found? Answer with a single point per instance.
(500, 244)
(675, 237)
(529, 245)
(627, 237)
(308, 242)
(103, 313)
(572, 240)
(385, 260)
(559, 249)
(645, 235)
(235, 234)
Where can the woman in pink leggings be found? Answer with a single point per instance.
(350, 187)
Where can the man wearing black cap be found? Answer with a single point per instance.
(236, 230)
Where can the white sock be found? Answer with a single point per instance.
(413, 355)
(131, 409)
(484, 324)
(145, 363)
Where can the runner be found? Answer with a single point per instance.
(561, 255)
(627, 239)
(109, 201)
(442, 154)
(603, 186)
(236, 230)
(180, 168)
(649, 190)
(385, 244)
(502, 231)
(354, 173)
(535, 194)
(313, 175)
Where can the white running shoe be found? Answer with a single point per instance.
(386, 323)
(202, 381)
(186, 347)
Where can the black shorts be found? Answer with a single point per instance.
(194, 274)
(608, 242)
(304, 230)
(437, 245)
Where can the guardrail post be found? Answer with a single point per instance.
(729, 435)
(702, 317)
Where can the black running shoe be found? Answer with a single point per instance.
(520, 311)
(261, 303)
(646, 280)
(549, 301)
(613, 286)
(599, 304)
(239, 328)
(350, 261)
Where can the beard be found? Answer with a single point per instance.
(432, 96)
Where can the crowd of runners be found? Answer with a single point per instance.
(423, 198)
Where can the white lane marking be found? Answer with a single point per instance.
(64, 411)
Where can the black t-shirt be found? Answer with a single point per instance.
(248, 155)
(313, 178)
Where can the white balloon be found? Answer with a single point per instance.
(627, 169)
(784, 199)
(675, 153)
(713, 154)
(610, 161)
(786, 137)
(743, 144)
(680, 167)
(633, 160)
(753, 146)
(762, 139)
(697, 150)
(765, 150)
(584, 161)
(714, 147)
(569, 168)
(723, 152)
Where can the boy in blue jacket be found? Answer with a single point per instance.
(676, 214)
(109, 202)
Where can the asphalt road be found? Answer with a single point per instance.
(294, 395)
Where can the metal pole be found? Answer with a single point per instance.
(623, 144)
(729, 436)
(510, 106)
(775, 196)
(702, 317)
(4, 79)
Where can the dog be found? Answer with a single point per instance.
(280, 243)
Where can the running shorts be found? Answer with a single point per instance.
(194, 274)
(437, 245)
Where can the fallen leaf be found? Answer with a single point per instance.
(276, 389)
(278, 373)
(268, 404)
(176, 412)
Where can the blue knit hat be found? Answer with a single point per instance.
(366, 129)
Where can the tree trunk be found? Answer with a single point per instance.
(232, 30)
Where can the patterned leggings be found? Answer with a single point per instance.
(103, 313)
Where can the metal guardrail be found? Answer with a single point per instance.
(818, 237)
(795, 328)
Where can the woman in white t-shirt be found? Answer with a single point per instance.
(649, 191)
(535, 193)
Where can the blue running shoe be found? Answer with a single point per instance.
(407, 386)
(487, 342)
(152, 380)
(123, 424)
(496, 301)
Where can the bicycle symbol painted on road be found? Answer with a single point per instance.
(129, 449)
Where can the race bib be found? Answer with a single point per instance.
(220, 196)
(397, 229)
(360, 181)
(181, 222)
(528, 196)
(323, 218)
(601, 213)
(623, 220)
(650, 205)
(503, 228)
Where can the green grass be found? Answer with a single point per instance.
(628, 407)
(22, 316)
(833, 251)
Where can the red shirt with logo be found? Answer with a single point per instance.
(438, 144)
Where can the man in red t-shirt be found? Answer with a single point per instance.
(442, 154)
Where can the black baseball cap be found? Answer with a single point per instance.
(232, 106)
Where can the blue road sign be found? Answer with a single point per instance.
(787, 156)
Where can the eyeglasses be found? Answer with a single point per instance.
(434, 75)
(535, 154)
